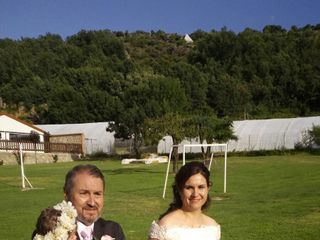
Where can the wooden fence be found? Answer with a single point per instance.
(47, 147)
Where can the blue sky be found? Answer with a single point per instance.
(31, 18)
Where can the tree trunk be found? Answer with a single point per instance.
(203, 153)
(175, 159)
(208, 153)
(136, 147)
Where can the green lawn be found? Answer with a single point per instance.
(273, 197)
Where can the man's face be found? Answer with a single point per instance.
(87, 197)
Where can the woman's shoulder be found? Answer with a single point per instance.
(171, 218)
(208, 221)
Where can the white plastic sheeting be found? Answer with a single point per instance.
(253, 135)
(270, 134)
(96, 136)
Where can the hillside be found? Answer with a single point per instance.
(95, 76)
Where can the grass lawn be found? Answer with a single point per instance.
(272, 197)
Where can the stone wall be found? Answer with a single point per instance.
(11, 158)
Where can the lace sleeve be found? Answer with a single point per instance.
(156, 231)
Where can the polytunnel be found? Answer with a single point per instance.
(254, 135)
(270, 134)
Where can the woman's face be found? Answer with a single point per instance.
(194, 193)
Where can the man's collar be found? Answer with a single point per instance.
(81, 227)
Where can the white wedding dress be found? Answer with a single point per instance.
(184, 233)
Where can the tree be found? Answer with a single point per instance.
(315, 134)
(66, 105)
(207, 128)
(194, 82)
(129, 125)
(210, 129)
(171, 124)
(310, 138)
(151, 97)
(228, 96)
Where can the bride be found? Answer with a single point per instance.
(184, 218)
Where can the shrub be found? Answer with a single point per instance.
(315, 134)
(310, 139)
(55, 158)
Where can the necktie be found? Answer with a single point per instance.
(85, 235)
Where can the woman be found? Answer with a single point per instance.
(184, 218)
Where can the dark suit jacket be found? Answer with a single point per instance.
(105, 227)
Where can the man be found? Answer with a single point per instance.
(84, 187)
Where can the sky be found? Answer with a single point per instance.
(33, 18)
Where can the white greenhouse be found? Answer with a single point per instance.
(270, 134)
(253, 135)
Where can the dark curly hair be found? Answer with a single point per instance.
(47, 221)
(184, 173)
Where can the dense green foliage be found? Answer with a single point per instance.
(310, 139)
(96, 75)
(270, 197)
(315, 135)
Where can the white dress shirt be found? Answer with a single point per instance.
(87, 229)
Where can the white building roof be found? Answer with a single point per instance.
(96, 136)
(10, 123)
